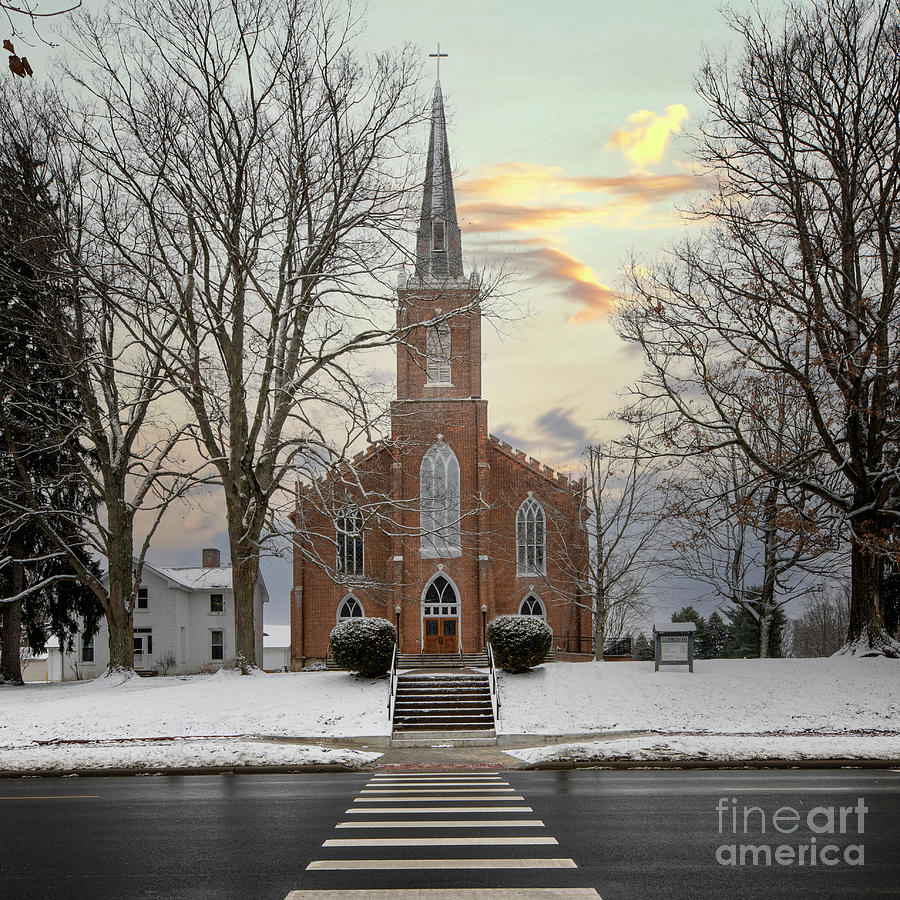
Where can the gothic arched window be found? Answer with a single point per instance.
(440, 598)
(439, 502)
(437, 353)
(351, 608)
(531, 547)
(532, 606)
(349, 528)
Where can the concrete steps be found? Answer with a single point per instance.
(442, 660)
(443, 708)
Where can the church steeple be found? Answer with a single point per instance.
(438, 244)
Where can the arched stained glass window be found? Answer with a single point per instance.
(531, 544)
(439, 502)
(349, 529)
(350, 608)
(437, 353)
(532, 606)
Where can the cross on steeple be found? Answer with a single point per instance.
(438, 57)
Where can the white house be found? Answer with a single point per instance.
(183, 623)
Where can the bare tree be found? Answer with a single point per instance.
(131, 466)
(623, 518)
(822, 628)
(795, 277)
(270, 179)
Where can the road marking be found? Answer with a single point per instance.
(808, 790)
(338, 864)
(445, 823)
(436, 790)
(437, 785)
(504, 799)
(436, 841)
(558, 893)
(440, 809)
(54, 797)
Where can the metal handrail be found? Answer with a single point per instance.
(392, 692)
(495, 693)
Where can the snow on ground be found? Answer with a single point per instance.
(300, 704)
(722, 696)
(718, 747)
(185, 753)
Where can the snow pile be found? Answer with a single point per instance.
(722, 696)
(321, 704)
(718, 747)
(175, 754)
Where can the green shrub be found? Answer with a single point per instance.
(364, 645)
(519, 642)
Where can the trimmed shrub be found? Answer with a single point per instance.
(364, 645)
(519, 642)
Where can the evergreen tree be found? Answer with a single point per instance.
(41, 465)
(717, 634)
(743, 633)
(702, 648)
(643, 649)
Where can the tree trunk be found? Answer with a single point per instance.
(119, 614)
(866, 635)
(244, 575)
(764, 622)
(10, 639)
(11, 619)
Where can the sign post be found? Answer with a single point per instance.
(673, 643)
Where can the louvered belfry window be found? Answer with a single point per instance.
(437, 353)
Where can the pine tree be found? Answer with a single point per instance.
(643, 649)
(40, 463)
(702, 648)
(717, 633)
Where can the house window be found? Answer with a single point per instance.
(532, 606)
(142, 598)
(439, 502)
(437, 353)
(217, 645)
(217, 603)
(349, 528)
(351, 608)
(145, 635)
(438, 236)
(530, 539)
(87, 648)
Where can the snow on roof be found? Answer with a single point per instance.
(276, 635)
(198, 578)
(674, 627)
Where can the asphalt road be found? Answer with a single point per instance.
(626, 834)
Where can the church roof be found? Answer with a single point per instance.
(438, 242)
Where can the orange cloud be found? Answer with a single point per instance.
(577, 281)
(644, 139)
(526, 197)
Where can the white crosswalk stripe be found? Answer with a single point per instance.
(475, 804)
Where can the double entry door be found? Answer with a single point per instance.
(441, 636)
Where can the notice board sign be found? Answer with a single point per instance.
(674, 644)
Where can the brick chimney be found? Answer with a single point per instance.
(211, 558)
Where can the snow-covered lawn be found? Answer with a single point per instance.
(303, 704)
(741, 696)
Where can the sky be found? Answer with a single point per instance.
(569, 129)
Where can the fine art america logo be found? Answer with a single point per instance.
(821, 836)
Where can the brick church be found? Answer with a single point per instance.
(443, 526)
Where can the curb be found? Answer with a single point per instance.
(714, 764)
(186, 770)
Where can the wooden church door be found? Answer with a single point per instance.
(441, 615)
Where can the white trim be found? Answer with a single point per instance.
(340, 606)
(543, 606)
